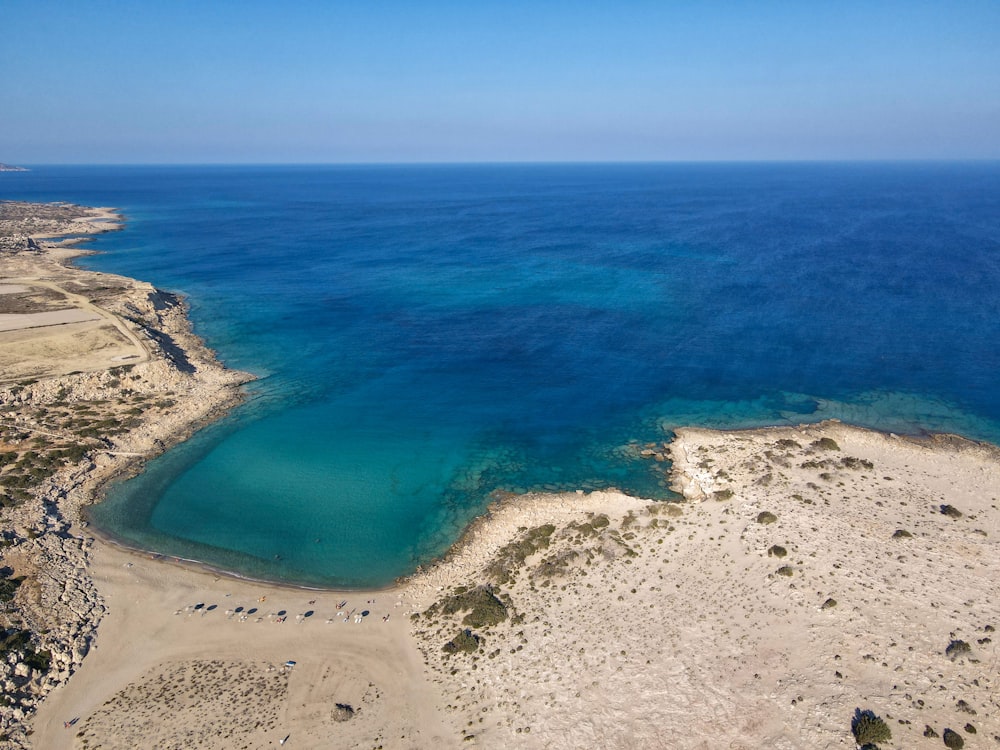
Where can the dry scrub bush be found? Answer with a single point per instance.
(868, 728)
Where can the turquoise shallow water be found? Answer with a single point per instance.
(427, 335)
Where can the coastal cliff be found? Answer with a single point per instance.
(97, 374)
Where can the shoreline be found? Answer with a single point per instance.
(132, 362)
(554, 620)
(710, 600)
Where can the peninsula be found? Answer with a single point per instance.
(809, 585)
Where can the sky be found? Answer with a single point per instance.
(248, 81)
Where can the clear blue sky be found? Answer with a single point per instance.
(246, 81)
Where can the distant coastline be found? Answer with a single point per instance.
(12, 168)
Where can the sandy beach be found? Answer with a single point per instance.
(803, 573)
(634, 624)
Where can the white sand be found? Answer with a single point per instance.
(152, 631)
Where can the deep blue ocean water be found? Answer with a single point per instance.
(425, 335)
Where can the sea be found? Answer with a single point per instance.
(427, 338)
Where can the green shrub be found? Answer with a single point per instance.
(13, 640)
(590, 528)
(511, 556)
(826, 444)
(964, 707)
(723, 494)
(777, 550)
(483, 608)
(901, 534)
(829, 604)
(343, 712)
(554, 565)
(8, 587)
(869, 728)
(785, 570)
(951, 511)
(599, 521)
(953, 739)
(766, 517)
(957, 648)
(19, 641)
(465, 642)
(38, 660)
(849, 462)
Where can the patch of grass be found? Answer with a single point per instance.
(785, 570)
(825, 444)
(776, 550)
(591, 527)
(868, 728)
(483, 607)
(766, 517)
(824, 464)
(849, 462)
(723, 494)
(554, 565)
(511, 557)
(465, 642)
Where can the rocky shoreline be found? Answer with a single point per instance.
(63, 435)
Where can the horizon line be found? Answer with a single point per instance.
(553, 162)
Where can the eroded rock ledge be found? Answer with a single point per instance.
(81, 402)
